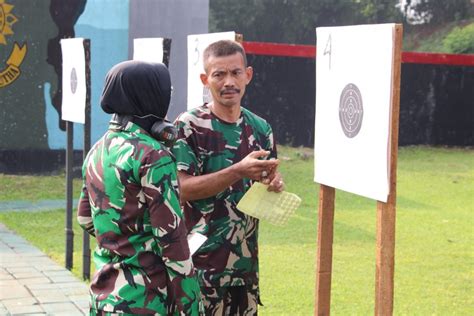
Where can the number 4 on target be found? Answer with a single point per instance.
(327, 50)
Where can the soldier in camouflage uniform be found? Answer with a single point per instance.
(130, 203)
(222, 148)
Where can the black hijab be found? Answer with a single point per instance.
(137, 88)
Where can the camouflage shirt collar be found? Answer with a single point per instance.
(129, 127)
(239, 121)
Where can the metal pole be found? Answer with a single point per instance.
(69, 162)
(86, 250)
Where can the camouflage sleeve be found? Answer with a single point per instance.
(271, 143)
(160, 188)
(184, 148)
(84, 216)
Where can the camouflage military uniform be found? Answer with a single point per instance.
(206, 144)
(130, 203)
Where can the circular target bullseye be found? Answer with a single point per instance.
(351, 110)
(73, 80)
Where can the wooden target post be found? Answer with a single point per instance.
(86, 247)
(386, 213)
(75, 108)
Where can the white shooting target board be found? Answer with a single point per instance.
(148, 49)
(354, 67)
(74, 90)
(197, 93)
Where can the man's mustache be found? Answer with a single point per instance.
(230, 90)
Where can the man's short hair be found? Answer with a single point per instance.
(223, 48)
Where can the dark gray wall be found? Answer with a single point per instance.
(173, 19)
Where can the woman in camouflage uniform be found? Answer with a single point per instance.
(130, 202)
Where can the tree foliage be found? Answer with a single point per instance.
(460, 40)
(440, 11)
(294, 21)
(379, 11)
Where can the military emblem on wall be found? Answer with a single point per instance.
(12, 71)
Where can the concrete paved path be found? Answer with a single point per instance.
(33, 284)
(37, 206)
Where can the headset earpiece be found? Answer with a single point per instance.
(165, 132)
(161, 130)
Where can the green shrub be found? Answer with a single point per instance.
(460, 40)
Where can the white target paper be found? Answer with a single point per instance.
(197, 93)
(74, 80)
(148, 49)
(353, 106)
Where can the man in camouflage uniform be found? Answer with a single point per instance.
(130, 202)
(222, 148)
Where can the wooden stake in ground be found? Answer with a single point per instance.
(324, 259)
(386, 212)
(75, 108)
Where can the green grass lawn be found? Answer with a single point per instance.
(34, 188)
(434, 260)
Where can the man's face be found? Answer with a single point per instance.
(226, 78)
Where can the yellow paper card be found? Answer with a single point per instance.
(270, 206)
